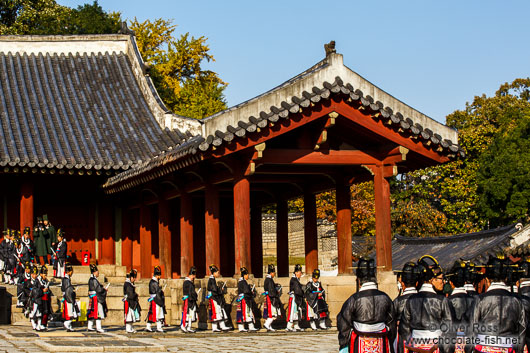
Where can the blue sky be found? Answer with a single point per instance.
(433, 55)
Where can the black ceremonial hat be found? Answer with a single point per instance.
(213, 269)
(297, 268)
(93, 268)
(157, 271)
(193, 271)
(68, 267)
(365, 268)
(244, 271)
(271, 269)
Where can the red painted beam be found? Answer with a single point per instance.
(307, 116)
(383, 231)
(164, 238)
(211, 220)
(310, 232)
(26, 206)
(344, 227)
(303, 156)
(186, 233)
(242, 222)
(282, 238)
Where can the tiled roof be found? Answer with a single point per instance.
(76, 111)
(393, 120)
(473, 246)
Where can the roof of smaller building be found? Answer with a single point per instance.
(476, 247)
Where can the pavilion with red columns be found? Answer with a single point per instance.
(176, 192)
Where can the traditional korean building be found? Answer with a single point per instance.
(87, 140)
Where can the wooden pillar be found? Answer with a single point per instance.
(383, 230)
(26, 206)
(282, 238)
(186, 233)
(310, 232)
(211, 226)
(242, 223)
(164, 238)
(344, 228)
(126, 240)
(256, 241)
(145, 241)
(106, 234)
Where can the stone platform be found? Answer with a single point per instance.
(17, 339)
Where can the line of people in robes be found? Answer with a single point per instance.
(440, 312)
(16, 250)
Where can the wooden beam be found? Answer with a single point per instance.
(310, 157)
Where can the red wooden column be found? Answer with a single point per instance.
(282, 238)
(145, 241)
(126, 240)
(256, 241)
(242, 222)
(383, 230)
(106, 234)
(344, 227)
(164, 238)
(186, 233)
(211, 226)
(26, 206)
(310, 232)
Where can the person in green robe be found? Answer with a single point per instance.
(39, 239)
(51, 236)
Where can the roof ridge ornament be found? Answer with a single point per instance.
(330, 48)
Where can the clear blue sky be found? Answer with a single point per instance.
(433, 55)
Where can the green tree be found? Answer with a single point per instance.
(504, 175)
(39, 17)
(452, 188)
(176, 69)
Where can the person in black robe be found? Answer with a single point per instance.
(272, 307)
(70, 309)
(366, 321)
(189, 298)
(35, 303)
(97, 301)
(10, 260)
(132, 309)
(46, 297)
(3, 247)
(28, 243)
(156, 302)
(23, 277)
(217, 302)
(316, 307)
(60, 255)
(461, 305)
(245, 303)
(426, 314)
(408, 280)
(296, 301)
(498, 315)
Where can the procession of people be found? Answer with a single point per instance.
(436, 311)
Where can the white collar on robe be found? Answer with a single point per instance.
(427, 287)
(368, 286)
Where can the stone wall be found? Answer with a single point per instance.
(327, 240)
